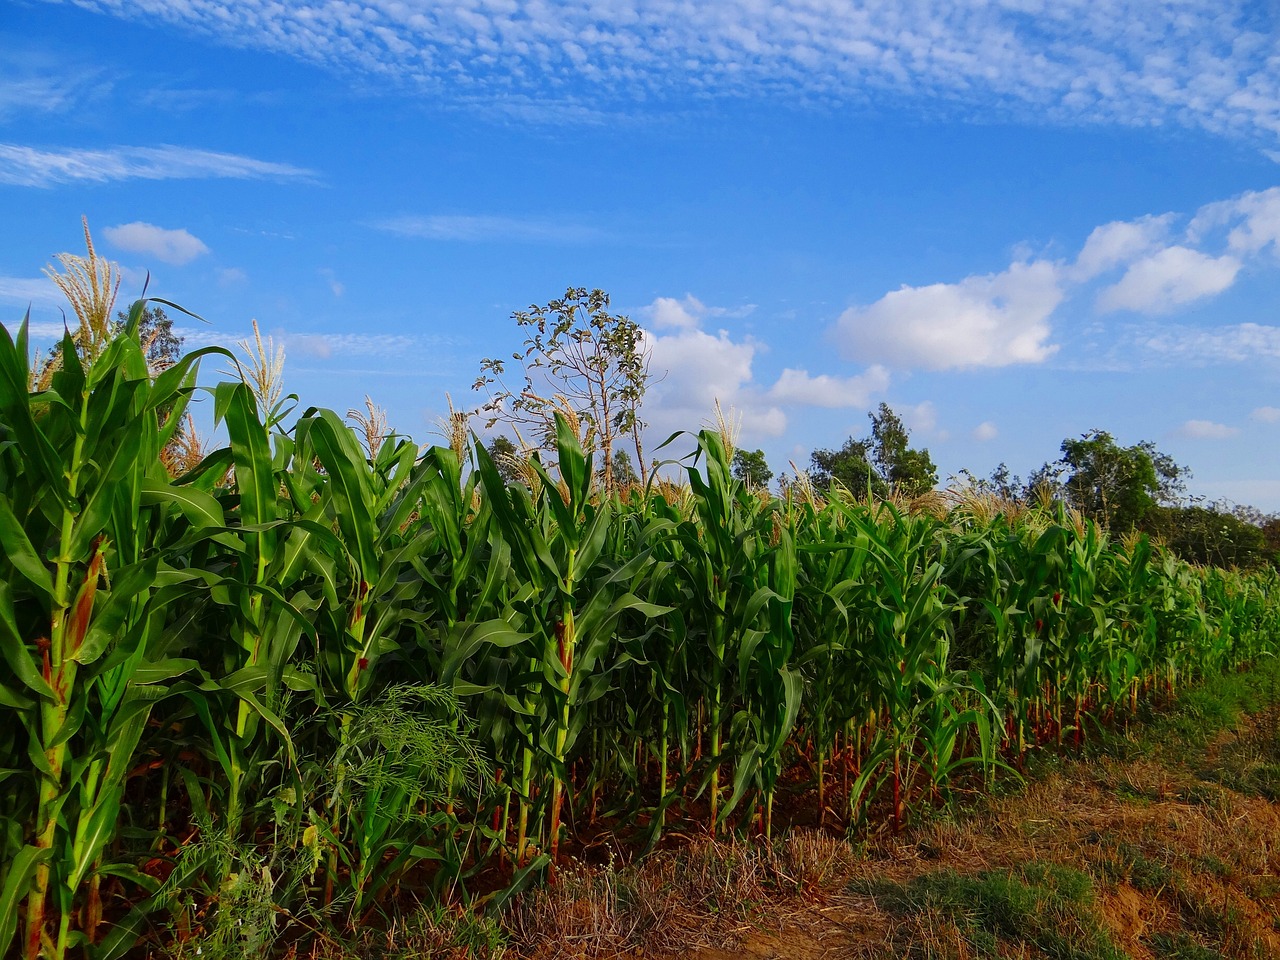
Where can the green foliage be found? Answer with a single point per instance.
(879, 465)
(1208, 536)
(506, 458)
(577, 355)
(750, 468)
(1117, 486)
(1043, 906)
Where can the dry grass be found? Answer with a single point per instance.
(1168, 852)
(702, 896)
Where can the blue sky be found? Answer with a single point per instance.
(1012, 221)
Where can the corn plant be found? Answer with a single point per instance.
(83, 606)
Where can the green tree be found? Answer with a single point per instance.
(878, 465)
(160, 344)
(1209, 536)
(577, 353)
(1001, 483)
(750, 468)
(1117, 486)
(624, 474)
(506, 457)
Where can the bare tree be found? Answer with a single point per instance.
(577, 356)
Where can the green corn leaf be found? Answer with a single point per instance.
(20, 552)
(15, 651)
(21, 870)
(200, 508)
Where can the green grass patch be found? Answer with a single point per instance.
(1181, 946)
(1041, 905)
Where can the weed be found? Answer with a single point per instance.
(1180, 946)
(1042, 905)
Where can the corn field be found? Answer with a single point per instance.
(305, 677)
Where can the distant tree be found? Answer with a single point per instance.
(850, 466)
(624, 474)
(750, 467)
(880, 464)
(160, 344)
(1001, 483)
(577, 353)
(1115, 485)
(1208, 535)
(506, 457)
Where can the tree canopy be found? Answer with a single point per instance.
(751, 468)
(877, 465)
(576, 355)
(1117, 486)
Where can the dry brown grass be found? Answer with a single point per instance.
(699, 897)
(1178, 866)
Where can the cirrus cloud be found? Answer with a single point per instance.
(25, 166)
(1196, 63)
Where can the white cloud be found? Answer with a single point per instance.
(1168, 279)
(1115, 244)
(1233, 344)
(668, 313)
(1266, 415)
(693, 369)
(797, 386)
(336, 286)
(231, 276)
(38, 331)
(1197, 63)
(982, 321)
(921, 418)
(985, 432)
(1206, 430)
(479, 229)
(1253, 219)
(1164, 263)
(30, 167)
(30, 290)
(169, 246)
(323, 346)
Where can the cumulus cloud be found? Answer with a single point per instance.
(1168, 279)
(921, 418)
(982, 321)
(1119, 243)
(1266, 414)
(1152, 265)
(668, 313)
(1206, 430)
(1251, 219)
(985, 432)
(177, 247)
(25, 166)
(824, 390)
(694, 369)
(1197, 63)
